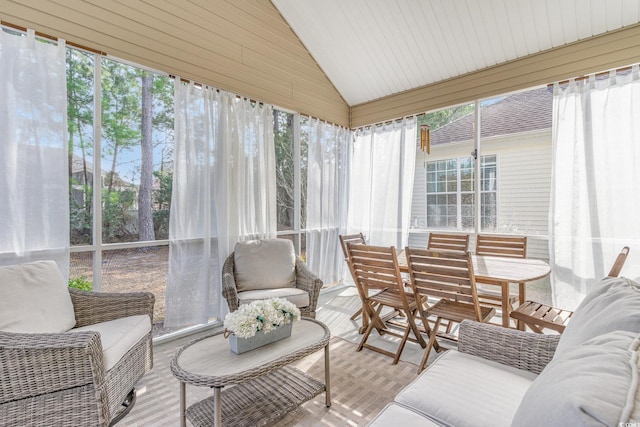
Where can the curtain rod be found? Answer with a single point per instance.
(601, 74)
(391, 121)
(49, 37)
(201, 85)
(99, 52)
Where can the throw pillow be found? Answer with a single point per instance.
(613, 306)
(264, 264)
(34, 299)
(593, 384)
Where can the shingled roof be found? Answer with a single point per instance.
(520, 112)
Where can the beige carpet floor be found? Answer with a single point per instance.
(362, 383)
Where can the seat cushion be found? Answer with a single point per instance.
(613, 306)
(460, 389)
(593, 384)
(294, 295)
(119, 336)
(395, 414)
(264, 264)
(34, 298)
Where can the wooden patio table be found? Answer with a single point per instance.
(500, 271)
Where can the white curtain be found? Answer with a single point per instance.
(381, 177)
(34, 180)
(223, 191)
(327, 194)
(596, 177)
(245, 172)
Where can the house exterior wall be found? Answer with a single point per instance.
(523, 190)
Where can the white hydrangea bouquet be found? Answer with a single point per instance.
(263, 315)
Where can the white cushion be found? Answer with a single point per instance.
(34, 298)
(264, 264)
(460, 389)
(613, 306)
(593, 384)
(119, 336)
(296, 296)
(397, 415)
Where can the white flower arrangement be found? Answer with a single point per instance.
(263, 315)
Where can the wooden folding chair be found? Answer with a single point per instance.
(357, 239)
(376, 268)
(447, 275)
(538, 316)
(503, 246)
(451, 242)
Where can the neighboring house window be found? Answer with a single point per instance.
(450, 193)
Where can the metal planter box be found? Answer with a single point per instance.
(242, 345)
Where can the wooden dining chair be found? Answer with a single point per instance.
(538, 316)
(447, 276)
(357, 239)
(376, 268)
(451, 242)
(503, 246)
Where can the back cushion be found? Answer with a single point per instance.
(613, 306)
(264, 264)
(594, 384)
(34, 299)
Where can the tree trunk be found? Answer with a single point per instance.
(145, 214)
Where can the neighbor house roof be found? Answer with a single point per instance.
(520, 112)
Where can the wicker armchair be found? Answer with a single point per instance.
(304, 280)
(61, 378)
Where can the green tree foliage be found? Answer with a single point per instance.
(80, 127)
(162, 203)
(81, 283)
(285, 171)
(440, 118)
(125, 132)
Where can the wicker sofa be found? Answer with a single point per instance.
(502, 377)
(261, 269)
(68, 357)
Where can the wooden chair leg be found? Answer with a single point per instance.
(372, 323)
(432, 340)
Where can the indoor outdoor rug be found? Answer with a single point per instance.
(362, 383)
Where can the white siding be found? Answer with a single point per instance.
(524, 182)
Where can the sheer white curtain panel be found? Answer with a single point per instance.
(34, 174)
(223, 191)
(193, 294)
(596, 152)
(381, 177)
(245, 172)
(327, 191)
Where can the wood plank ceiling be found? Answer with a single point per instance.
(371, 49)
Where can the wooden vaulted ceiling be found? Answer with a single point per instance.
(351, 62)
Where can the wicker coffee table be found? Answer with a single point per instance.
(265, 388)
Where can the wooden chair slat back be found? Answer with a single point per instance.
(442, 274)
(619, 262)
(450, 242)
(374, 266)
(350, 238)
(506, 246)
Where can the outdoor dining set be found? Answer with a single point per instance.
(418, 292)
